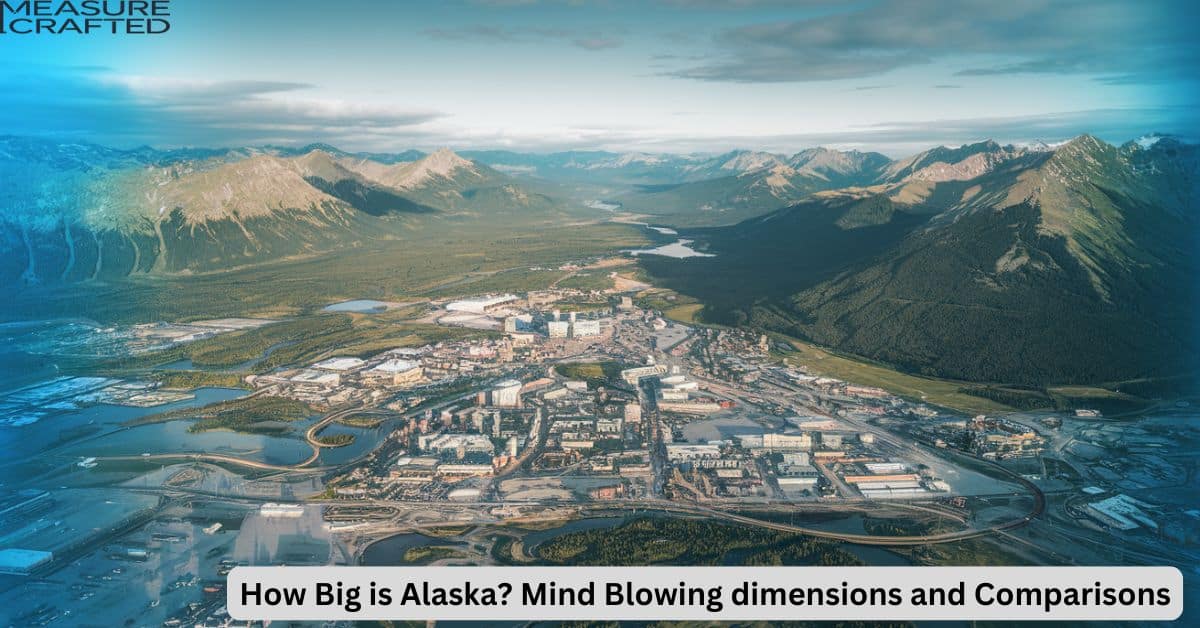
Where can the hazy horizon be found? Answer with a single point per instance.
(672, 76)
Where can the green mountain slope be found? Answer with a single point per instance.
(760, 183)
(1075, 266)
(81, 212)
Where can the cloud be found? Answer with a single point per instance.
(588, 40)
(125, 111)
(893, 138)
(1112, 39)
(129, 111)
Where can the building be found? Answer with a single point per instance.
(690, 407)
(610, 426)
(22, 562)
(465, 469)
(634, 375)
(312, 377)
(886, 467)
(809, 423)
(1121, 512)
(633, 413)
(481, 305)
(520, 322)
(400, 372)
(582, 329)
(798, 458)
(557, 393)
(671, 394)
(558, 329)
(340, 364)
(457, 443)
(798, 480)
(522, 339)
(685, 453)
(890, 478)
(289, 511)
(507, 394)
(774, 441)
(463, 495)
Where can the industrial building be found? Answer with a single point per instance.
(634, 375)
(506, 394)
(22, 562)
(401, 372)
(288, 511)
(684, 453)
(457, 443)
(481, 305)
(774, 441)
(1121, 512)
(340, 364)
(314, 377)
(582, 329)
(690, 407)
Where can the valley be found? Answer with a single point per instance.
(324, 358)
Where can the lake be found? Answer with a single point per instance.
(360, 306)
(678, 249)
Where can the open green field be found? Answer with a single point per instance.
(684, 313)
(941, 392)
(594, 373)
(298, 341)
(249, 415)
(671, 541)
(449, 260)
(190, 380)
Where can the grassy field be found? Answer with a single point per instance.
(250, 415)
(298, 341)
(668, 301)
(449, 260)
(594, 373)
(429, 553)
(940, 392)
(189, 380)
(823, 362)
(684, 313)
(360, 421)
(336, 440)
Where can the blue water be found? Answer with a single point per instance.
(364, 306)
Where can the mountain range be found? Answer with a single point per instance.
(986, 262)
(76, 212)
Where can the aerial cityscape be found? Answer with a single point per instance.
(243, 330)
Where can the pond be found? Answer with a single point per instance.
(360, 306)
(678, 249)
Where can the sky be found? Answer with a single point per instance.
(895, 76)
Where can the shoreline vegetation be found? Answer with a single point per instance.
(335, 440)
(247, 415)
(363, 421)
